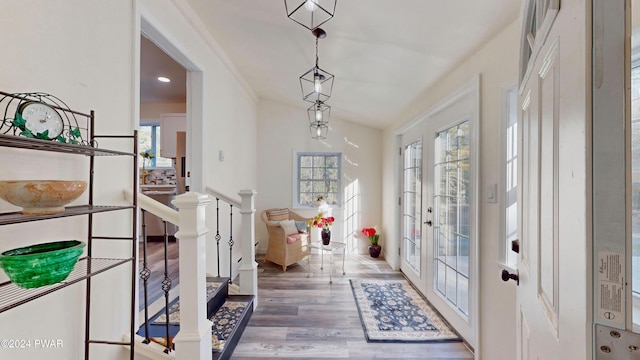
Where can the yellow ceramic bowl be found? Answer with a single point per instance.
(41, 197)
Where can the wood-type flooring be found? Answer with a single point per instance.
(300, 317)
(155, 262)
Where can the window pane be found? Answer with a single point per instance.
(144, 143)
(319, 175)
(319, 187)
(306, 161)
(306, 198)
(511, 181)
(451, 216)
(635, 182)
(305, 186)
(305, 173)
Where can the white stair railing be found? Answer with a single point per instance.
(193, 341)
(248, 271)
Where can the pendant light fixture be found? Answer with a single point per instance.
(316, 84)
(310, 13)
(319, 112)
(319, 130)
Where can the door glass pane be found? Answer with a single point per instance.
(412, 200)
(511, 178)
(452, 176)
(635, 191)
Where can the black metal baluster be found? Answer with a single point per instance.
(218, 237)
(231, 244)
(166, 285)
(145, 273)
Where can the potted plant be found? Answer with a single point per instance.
(374, 237)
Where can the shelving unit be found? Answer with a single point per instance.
(11, 295)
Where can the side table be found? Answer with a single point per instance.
(333, 246)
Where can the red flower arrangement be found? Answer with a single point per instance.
(371, 234)
(322, 222)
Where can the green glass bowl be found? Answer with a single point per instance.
(41, 264)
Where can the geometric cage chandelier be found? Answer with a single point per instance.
(316, 84)
(318, 114)
(310, 13)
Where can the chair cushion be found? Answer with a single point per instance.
(289, 227)
(293, 238)
(278, 214)
(301, 225)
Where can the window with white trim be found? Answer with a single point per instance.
(149, 140)
(318, 175)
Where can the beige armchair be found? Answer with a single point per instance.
(285, 249)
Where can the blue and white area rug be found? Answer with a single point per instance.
(393, 311)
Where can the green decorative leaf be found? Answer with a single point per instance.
(61, 139)
(75, 133)
(74, 142)
(19, 122)
(43, 135)
(27, 133)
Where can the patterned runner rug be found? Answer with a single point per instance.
(174, 307)
(392, 311)
(224, 321)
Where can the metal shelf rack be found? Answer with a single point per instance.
(11, 295)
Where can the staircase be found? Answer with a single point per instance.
(184, 334)
(228, 313)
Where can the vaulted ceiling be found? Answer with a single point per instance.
(383, 53)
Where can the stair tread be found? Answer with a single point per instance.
(213, 286)
(228, 314)
(227, 319)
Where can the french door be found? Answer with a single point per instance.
(438, 209)
(413, 239)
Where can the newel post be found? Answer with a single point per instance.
(193, 341)
(249, 266)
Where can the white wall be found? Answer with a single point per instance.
(284, 130)
(85, 53)
(497, 64)
(81, 52)
(229, 111)
(150, 112)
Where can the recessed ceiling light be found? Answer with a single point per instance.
(164, 79)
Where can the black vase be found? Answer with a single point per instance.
(374, 250)
(326, 236)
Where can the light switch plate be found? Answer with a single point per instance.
(221, 155)
(492, 193)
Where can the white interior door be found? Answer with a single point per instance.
(553, 302)
(450, 203)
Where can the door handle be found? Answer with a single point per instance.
(428, 222)
(506, 276)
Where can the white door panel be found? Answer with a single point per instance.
(553, 303)
(451, 193)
